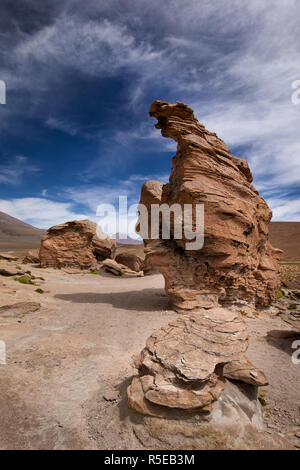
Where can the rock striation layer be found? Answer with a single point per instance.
(237, 260)
(75, 244)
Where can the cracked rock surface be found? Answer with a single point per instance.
(184, 364)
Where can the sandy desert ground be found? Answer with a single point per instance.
(69, 363)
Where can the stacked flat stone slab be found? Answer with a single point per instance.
(184, 365)
(237, 260)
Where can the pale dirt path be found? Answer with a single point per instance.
(62, 360)
(77, 347)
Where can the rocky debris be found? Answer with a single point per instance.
(8, 269)
(287, 306)
(245, 310)
(290, 274)
(112, 395)
(130, 260)
(118, 269)
(184, 364)
(32, 257)
(75, 244)
(237, 260)
(19, 309)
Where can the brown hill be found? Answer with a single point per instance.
(286, 236)
(123, 239)
(17, 235)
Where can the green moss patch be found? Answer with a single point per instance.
(24, 280)
(280, 294)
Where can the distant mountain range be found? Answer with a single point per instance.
(18, 235)
(125, 240)
(286, 236)
(15, 234)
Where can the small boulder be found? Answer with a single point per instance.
(117, 269)
(76, 244)
(32, 257)
(130, 260)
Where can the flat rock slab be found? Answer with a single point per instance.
(118, 269)
(19, 309)
(8, 257)
(9, 269)
(193, 345)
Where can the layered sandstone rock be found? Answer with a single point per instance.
(9, 269)
(117, 269)
(148, 268)
(237, 260)
(184, 365)
(75, 244)
(32, 257)
(130, 260)
(236, 422)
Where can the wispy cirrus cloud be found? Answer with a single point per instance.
(63, 126)
(13, 171)
(227, 60)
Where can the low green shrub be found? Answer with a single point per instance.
(39, 291)
(23, 280)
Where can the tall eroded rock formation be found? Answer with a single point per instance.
(237, 260)
(194, 379)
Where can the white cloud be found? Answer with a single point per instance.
(233, 62)
(285, 209)
(97, 48)
(92, 196)
(40, 212)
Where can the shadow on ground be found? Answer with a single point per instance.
(283, 339)
(146, 299)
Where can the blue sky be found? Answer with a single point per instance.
(81, 76)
